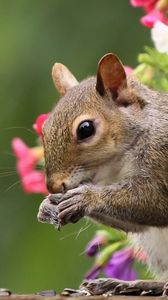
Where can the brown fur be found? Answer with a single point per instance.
(125, 163)
(138, 130)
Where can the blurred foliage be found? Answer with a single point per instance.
(153, 69)
(35, 34)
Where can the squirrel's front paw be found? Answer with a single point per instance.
(60, 209)
(73, 205)
(48, 211)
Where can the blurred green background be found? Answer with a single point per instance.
(35, 34)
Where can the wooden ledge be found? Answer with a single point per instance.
(58, 297)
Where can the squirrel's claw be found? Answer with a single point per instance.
(165, 289)
(119, 287)
(72, 208)
(48, 213)
(69, 212)
(99, 286)
(70, 215)
(60, 209)
(73, 205)
(55, 198)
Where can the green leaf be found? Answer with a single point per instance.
(107, 252)
(113, 234)
(153, 69)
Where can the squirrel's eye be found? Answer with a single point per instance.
(85, 129)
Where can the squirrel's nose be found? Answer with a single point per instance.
(56, 187)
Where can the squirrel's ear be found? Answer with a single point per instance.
(111, 75)
(62, 78)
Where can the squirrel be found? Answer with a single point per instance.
(105, 146)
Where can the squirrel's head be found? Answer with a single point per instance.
(89, 126)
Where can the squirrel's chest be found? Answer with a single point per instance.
(154, 243)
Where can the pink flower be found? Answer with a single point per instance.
(140, 256)
(150, 19)
(147, 5)
(33, 181)
(138, 3)
(26, 159)
(40, 122)
(128, 70)
(156, 11)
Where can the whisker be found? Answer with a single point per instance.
(6, 175)
(82, 229)
(76, 233)
(7, 169)
(8, 172)
(8, 153)
(67, 236)
(11, 186)
(20, 127)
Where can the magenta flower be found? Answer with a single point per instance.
(100, 239)
(33, 181)
(38, 125)
(154, 15)
(156, 11)
(147, 5)
(93, 273)
(120, 265)
(26, 159)
(128, 70)
(110, 259)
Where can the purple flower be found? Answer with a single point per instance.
(120, 265)
(94, 245)
(100, 239)
(93, 273)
